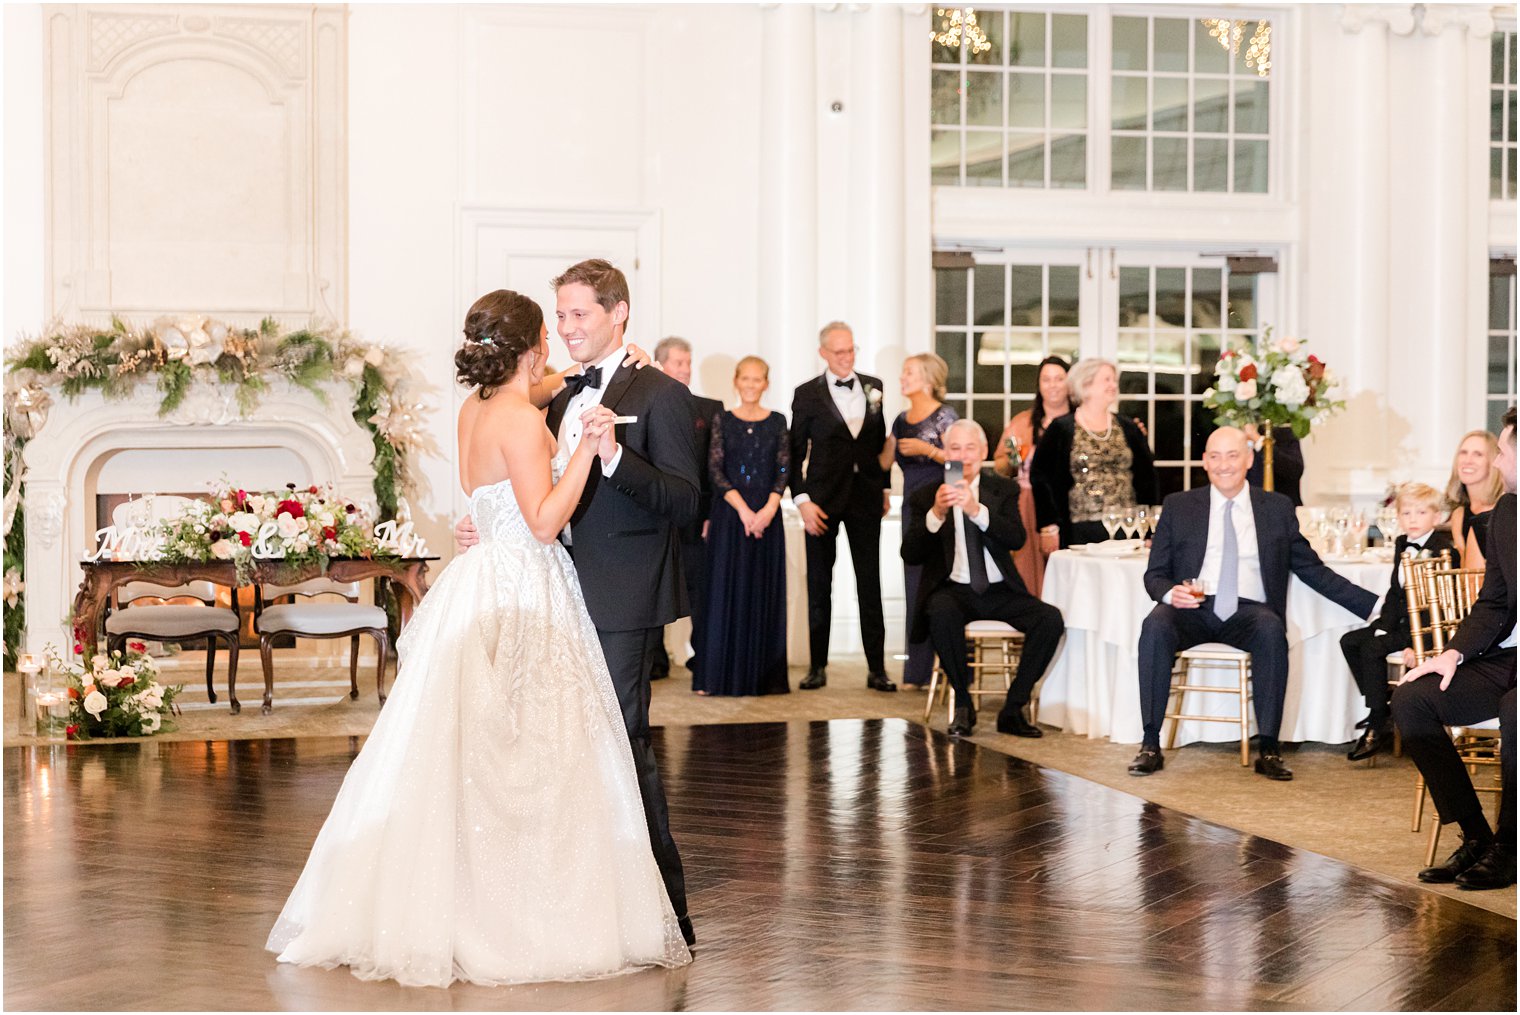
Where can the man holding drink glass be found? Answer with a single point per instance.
(1219, 567)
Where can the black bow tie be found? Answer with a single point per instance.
(848, 382)
(589, 377)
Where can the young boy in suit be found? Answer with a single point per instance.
(1366, 649)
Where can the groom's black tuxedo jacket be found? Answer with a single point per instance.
(1493, 615)
(625, 531)
(935, 551)
(1182, 537)
(842, 471)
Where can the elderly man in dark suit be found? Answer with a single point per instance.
(1240, 545)
(837, 426)
(962, 533)
(673, 354)
(1477, 683)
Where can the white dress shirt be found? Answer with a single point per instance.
(851, 401)
(960, 569)
(570, 423)
(1250, 584)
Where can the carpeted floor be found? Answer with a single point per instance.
(1351, 812)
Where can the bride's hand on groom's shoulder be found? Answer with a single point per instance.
(465, 533)
(636, 357)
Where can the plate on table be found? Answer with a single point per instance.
(1378, 554)
(1117, 548)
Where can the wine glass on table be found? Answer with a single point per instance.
(1111, 520)
(1143, 520)
(1130, 523)
(1358, 531)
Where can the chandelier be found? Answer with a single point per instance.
(1258, 50)
(958, 25)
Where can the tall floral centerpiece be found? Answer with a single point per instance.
(1270, 383)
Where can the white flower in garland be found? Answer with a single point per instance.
(95, 703)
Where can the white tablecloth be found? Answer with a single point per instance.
(1093, 685)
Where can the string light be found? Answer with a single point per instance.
(958, 25)
(1258, 50)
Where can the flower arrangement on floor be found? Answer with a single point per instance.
(300, 526)
(117, 696)
(1275, 383)
(177, 353)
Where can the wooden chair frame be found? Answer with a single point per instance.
(115, 642)
(381, 635)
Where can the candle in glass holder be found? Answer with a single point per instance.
(28, 666)
(52, 714)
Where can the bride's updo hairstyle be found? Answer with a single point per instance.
(499, 329)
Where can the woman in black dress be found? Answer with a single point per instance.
(1475, 487)
(744, 651)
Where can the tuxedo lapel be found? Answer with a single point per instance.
(1198, 548)
(557, 412)
(828, 398)
(617, 387)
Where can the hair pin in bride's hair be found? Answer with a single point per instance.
(484, 340)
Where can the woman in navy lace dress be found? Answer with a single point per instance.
(917, 448)
(749, 461)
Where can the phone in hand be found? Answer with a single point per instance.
(955, 474)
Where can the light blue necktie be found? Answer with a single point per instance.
(1227, 598)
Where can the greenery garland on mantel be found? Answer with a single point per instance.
(179, 352)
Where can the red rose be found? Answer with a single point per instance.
(78, 649)
(242, 495)
(290, 507)
(1248, 372)
(329, 533)
(70, 730)
(246, 538)
(312, 488)
(137, 646)
(127, 680)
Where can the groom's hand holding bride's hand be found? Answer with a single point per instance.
(598, 434)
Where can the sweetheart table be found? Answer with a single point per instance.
(1093, 684)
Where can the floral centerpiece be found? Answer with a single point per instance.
(1275, 382)
(118, 696)
(299, 526)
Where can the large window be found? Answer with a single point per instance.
(1032, 98)
(1009, 98)
(1501, 339)
(1162, 317)
(1501, 120)
(1186, 113)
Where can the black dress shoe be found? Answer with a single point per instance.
(1496, 869)
(684, 922)
(1271, 766)
(878, 682)
(963, 723)
(1465, 855)
(1014, 724)
(1149, 760)
(815, 679)
(1374, 740)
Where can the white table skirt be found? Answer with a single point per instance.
(1093, 684)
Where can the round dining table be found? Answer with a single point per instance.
(1093, 686)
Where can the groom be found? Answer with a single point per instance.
(624, 534)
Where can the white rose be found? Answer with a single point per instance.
(302, 543)
(151, 722)
(375, 356)
(1287, 345)
(222, 549)
(1246, 390)
(108, 678)
(353, 367)
(95, 703)
(256, 503)
(1209, 393)
(244, 521)
(288, 526)
(99, 662)
(153, 697)
(1288, 383)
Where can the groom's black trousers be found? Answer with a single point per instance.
(628, 656)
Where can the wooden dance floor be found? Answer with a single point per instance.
(832, 865)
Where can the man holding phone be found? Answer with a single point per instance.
(963, 532)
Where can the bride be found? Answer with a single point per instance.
(491, 828)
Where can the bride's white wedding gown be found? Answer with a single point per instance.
(491, 829)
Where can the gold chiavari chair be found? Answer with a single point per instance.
(1446, 596)
(993, 648)
(1412, 578)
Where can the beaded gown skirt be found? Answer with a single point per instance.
(491, 828)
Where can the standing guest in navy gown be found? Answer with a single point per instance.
(749, 461)
(917, 445)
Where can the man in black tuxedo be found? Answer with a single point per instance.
(962, 532)
(1477, 683)
(1367, 648)
(837, 426)
(624, 534)
(1241, 544)
(673, 354)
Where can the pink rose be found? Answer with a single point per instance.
(1246, 390)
